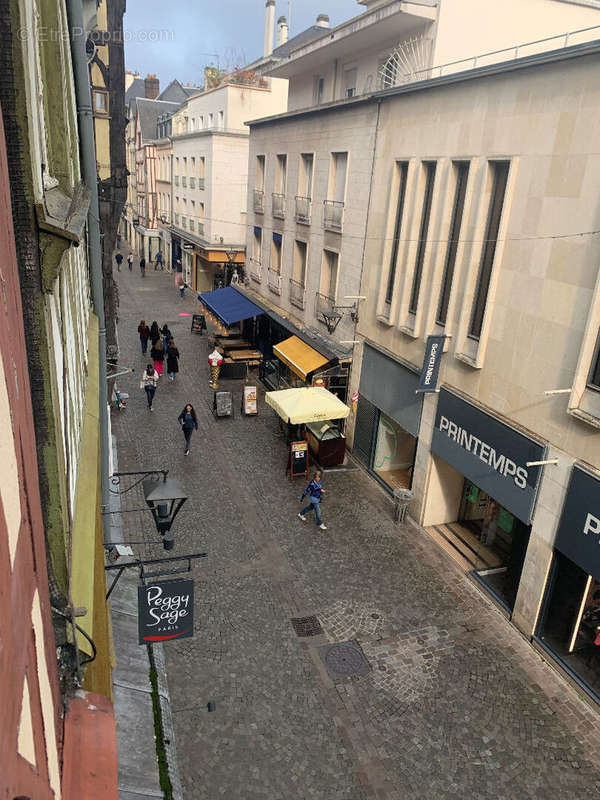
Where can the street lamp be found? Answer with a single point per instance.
(332, 319)
(164, 499)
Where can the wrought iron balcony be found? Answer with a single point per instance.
(324, 303)
(333, 212)
(274, 281)
(259, 201)
(192, 183)
(303, 205)
(278, 205)
(255, 270)
(297, 293)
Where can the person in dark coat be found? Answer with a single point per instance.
(119, 260)
(172, 359)
(189, 423)
(166, 336)
(143, 266)
(157, 354)
(144, 332)
(154, 333)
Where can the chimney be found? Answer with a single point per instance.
(269, 26)
(282, 31)
(323, 21)
(151, 87)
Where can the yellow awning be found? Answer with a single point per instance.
(300, 357)
(306, 404)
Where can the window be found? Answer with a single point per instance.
(500, 178)
(429, 167)
(329, 274)
(100, 102)
(193, 124)
(319, 90)
(299, 265)
(257, 244)
(402, 170)
(201, 124)
(594, 379)
(337, 177)
(280, 174)
(260, 173)
(349, 82)
(221, 120)
(201, 167)
(461, 174)
(210, 120)
(201, 210)
(276, 253)
(306, 175)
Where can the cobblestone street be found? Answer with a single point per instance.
(453, 704)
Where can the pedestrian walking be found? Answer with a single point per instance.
(178, 272)
(130, 261)
(314, 491)
(157, 354)
(143, 266)
(158, 261)
(189, 423)
(154, 333)
(166, 336)
(172, 360)
(119, 260)
(181, 284)
(144, 332)
(149, 383)
(118, 241)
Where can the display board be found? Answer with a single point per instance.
(223, 404)
(198, 323)
(249, 401)
(298, 460)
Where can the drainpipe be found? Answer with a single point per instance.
(88, 165)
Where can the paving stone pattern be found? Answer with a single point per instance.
(455, 703)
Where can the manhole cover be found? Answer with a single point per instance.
(306, 626)
(344, 659)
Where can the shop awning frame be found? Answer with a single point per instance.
(300, 357)
(229, 306)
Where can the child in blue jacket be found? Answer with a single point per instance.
(314, 490)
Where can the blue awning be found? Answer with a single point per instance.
(229, 305)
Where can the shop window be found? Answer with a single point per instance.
(402, 169)
(500, 179)
(429, 168)
(394, 454)
(570, 620)
(461, 175)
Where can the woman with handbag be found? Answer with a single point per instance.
(148, 383)
(157, 354)
(189, 423)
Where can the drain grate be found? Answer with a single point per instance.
(344, 659)
(306, 626)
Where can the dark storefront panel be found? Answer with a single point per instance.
(578, 535)
(391, 387)
(364, 430)
(488, 452)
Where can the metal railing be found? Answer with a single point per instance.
(192, 183)
(303, 209)
(388, 79)
(259, 201)
(278, 205)
(176, 179)
(333, 212)
(255, 269)
(323, 303)
(274, 281)
(297, 293)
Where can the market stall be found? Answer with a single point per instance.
(321, 412)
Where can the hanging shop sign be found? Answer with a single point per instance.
(165, 611)
(578, 535)
(431, 364)
(489, 453)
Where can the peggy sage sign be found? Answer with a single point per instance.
(165, 611)
(488, 452)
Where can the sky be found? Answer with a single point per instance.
(176, 38)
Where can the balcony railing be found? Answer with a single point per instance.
(192, 183)
(255, 270)
(201, 183)
(303, 209)
(324, 303)
(259, 201)
(176, 180)
(274, 281)
(183, 181)
(278, 205)
(297, 293)
(333, 211)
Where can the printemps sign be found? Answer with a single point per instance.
(165, 611)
